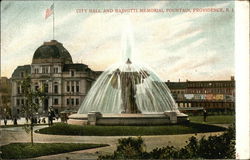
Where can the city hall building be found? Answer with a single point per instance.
(64, 82)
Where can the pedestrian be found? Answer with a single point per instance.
(15, 121)
(50, 117)
(204, 115)
(44, 121)
(5, 121)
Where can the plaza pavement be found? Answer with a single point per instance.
(17, 134)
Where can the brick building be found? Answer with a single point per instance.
(204, 94)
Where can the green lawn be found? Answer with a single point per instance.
(218, 119)
(26, 150)
(67, 129)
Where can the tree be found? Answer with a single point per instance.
(6, 99)
(30, 108)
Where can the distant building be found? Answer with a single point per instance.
(204, 94)
(5, 97)
(65, 83)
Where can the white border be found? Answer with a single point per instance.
(242, 79)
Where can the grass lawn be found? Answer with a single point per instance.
(26, 150)
(216, 119)
(67, 129)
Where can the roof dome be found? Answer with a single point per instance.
(51, 52)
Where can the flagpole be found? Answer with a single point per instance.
(53, 20)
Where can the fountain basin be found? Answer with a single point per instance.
(96, 118)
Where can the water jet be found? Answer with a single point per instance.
(128, 93)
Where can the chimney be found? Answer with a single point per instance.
(179, 80)
(232, 78)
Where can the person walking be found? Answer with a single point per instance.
(5, 121)
(204, 115)
(15, 121)
(51, 116)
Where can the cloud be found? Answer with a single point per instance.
(172, 44)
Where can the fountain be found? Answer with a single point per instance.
(128, 93)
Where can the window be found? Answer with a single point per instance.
(22, 101)
(46, 88)
(72, 101)
(56, 88)
(55, 101)
(18, 90)
(17, 102)
(72, 73)
(77, 101)
(67, 101)
(46, 70)
(36, 70)
(22, 74)
(68, 87)
(21, 89)
(72, 88)
(77, 87)
(55, 70)
(36, 87)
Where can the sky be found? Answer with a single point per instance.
(176, 45)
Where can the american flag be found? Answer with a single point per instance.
(49, 11)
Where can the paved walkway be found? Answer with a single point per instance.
(23, 121)
(17, 134)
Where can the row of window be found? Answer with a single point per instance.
(45, 69)
(69, 101)
(210, 84)
(72, 101)
(22, 101)
(19, 89)
(72, 86)
(205, 104)
(215, 90)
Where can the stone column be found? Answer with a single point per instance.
(172, 115)
(93, 117)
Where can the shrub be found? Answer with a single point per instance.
(215, 147)
(128, 148)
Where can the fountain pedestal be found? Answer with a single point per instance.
(93, 117)
(96, 118)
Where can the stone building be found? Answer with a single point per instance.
(64, 82)
(5, 97)
(204, 94)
